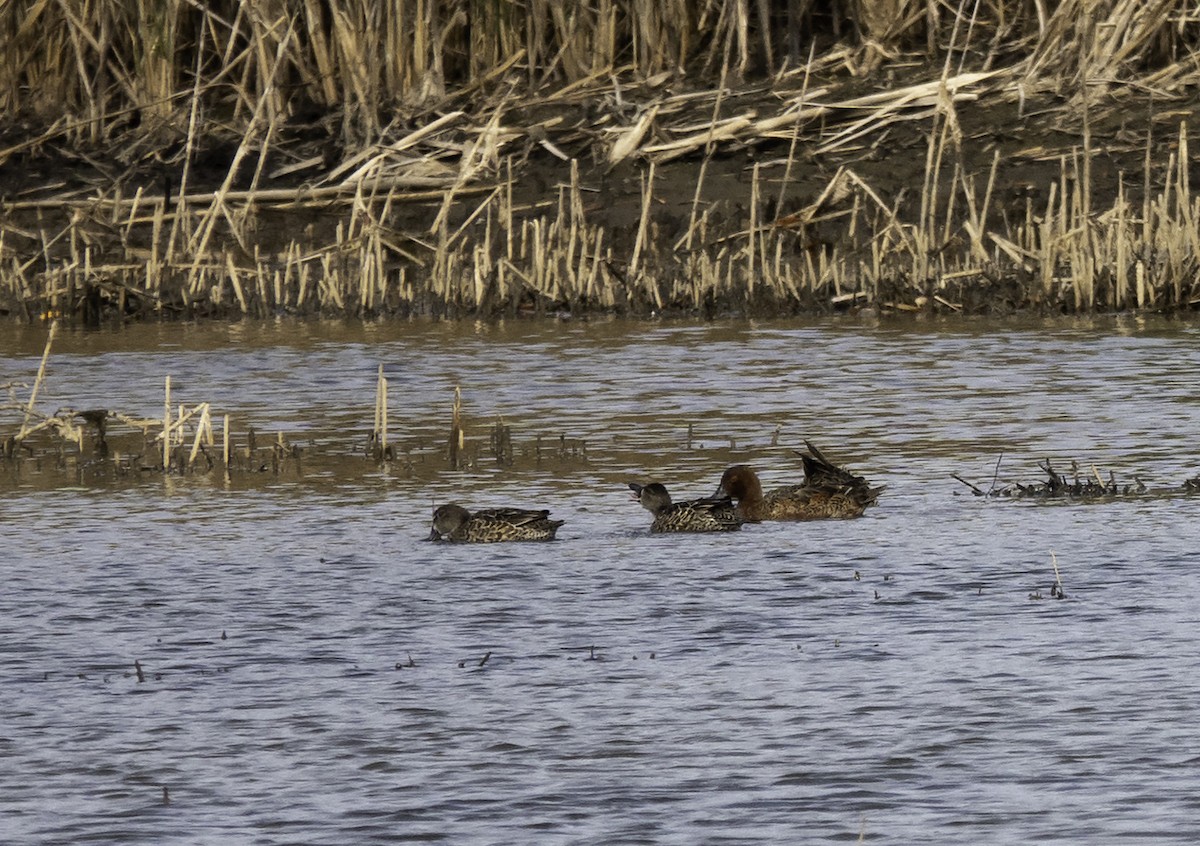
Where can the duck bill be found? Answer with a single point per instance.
(636, 491)
(434, 535)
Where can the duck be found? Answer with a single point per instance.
(828, 492)
(712, 514)
(454, 523)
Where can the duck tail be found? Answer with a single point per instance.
(871, 495)
(820, 472)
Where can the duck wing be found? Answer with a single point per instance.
(497, 524)
(822, 474)
(516, 516)
(709, 514)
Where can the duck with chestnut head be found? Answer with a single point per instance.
(828, 492)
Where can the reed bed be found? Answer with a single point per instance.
(107, 446)
(101, 444)
(424, 157)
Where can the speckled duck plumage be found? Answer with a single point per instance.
(714, 514)
(454, 523)
(828, 492)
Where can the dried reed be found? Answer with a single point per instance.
(37, 384)
(456, 442)
(379, 438)
(474, 90)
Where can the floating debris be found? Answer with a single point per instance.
(1076, 486)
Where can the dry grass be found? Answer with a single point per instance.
(107, 445)
(377, 156)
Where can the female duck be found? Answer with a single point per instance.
(454, 523)
(715, 514)
(828, 492)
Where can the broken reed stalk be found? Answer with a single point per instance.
(37, 383)
(644, 222)
(203, 434)
(225, 453)
(709, 148)
(787, 170)
(379, 433)
(199, 240)
(752, 253)
(166, 430)
(456, 431)
(1057, 591)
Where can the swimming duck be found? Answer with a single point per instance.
(452, 522)
(828, 492)
(713, 514)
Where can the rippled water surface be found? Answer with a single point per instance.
(314, 672)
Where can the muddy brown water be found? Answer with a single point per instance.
(313, 671)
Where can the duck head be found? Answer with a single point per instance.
(653, 497)
(741, 483)
(448, 519)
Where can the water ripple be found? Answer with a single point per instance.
(295, 664)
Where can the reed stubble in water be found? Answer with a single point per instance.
(124, 445)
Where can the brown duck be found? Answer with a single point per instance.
(828, 492)
(452, 522)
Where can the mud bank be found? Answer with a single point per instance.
(1009, 180)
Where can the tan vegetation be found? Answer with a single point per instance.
(109, 446)
(492, 156)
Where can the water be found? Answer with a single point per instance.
(316, 673)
